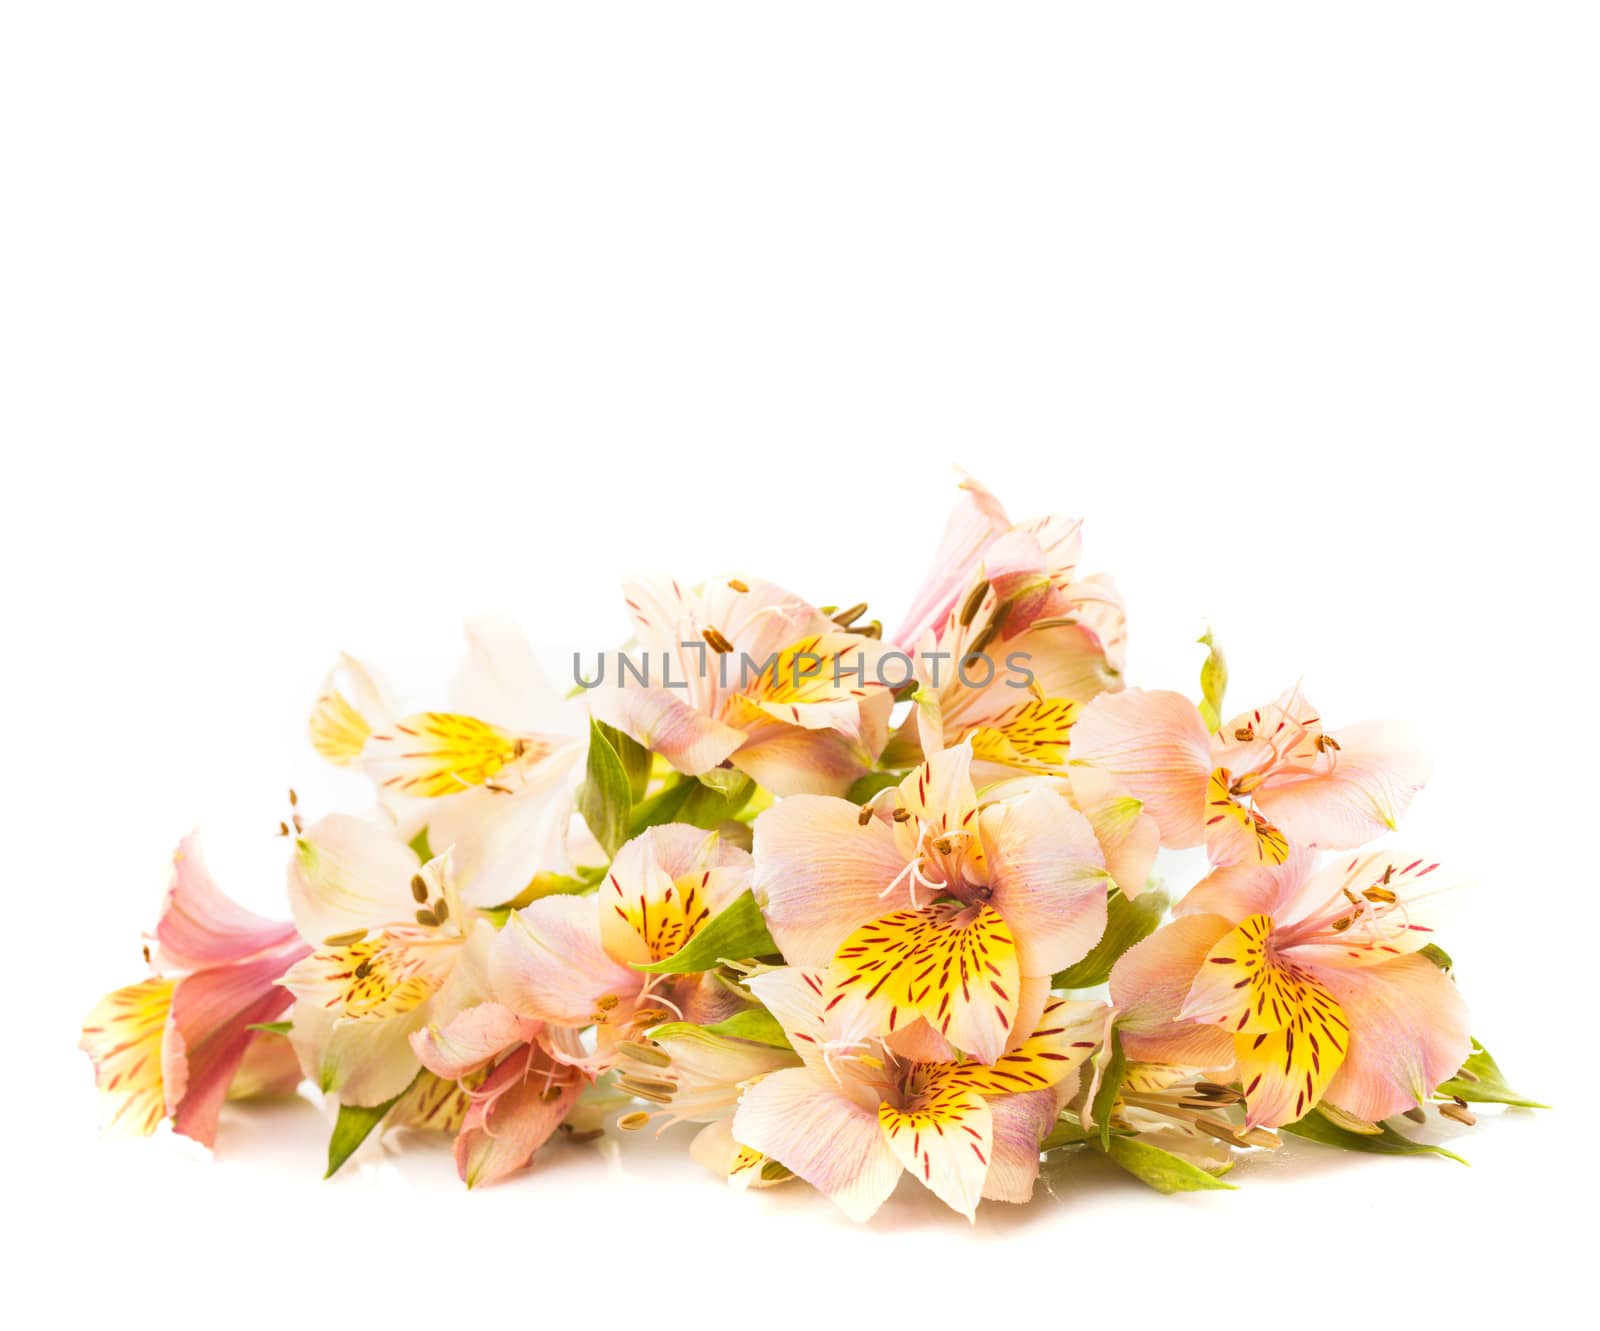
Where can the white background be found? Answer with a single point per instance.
(324, 325)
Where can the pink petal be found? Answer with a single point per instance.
(1021, 1123)
(1248, 888)
(513, 1114)
(661, 720)
(1408, 1033)
(1371, 779)
(1156, 747)
(548, 963)
(820, 874)
(201, 927)
(1150, 984)
(208, 1034)
(801, 1118)
(472, 1038)
(975, 522)
(1048, 880)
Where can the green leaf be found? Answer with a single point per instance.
(1127, 921)
(1105, 1098)
(1314, 1127)
(605, 799)
(693, 800)
(355, 1125)
(635, 759)
(272, 1027)
(755, 1024)
(1162, 1170)
(1481, 1081)
(734, 933)
(867, 786)
(1213, 681)
(419, 844)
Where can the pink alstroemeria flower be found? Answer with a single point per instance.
(1311, 983)
(933, 906)
(570, 961)
(747, 673)
(180, 1043)
(1266, 778)
(855, 1116)
(520, 1077)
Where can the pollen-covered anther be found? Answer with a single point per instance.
(902, 814)
(1458, 1114)
(738, 585)
(634, 1121)
(344, 939)
(1382, 894)
(419, 889)
(865, 816)
(845, 618)
(1244, 734)
(427, 917)
(1326, 743)
(716, 641)
(969, 607)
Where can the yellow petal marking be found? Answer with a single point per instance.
(384, 975)
(432, 754)
(1229, 821)
(1285, 1072)
(1052, 1052)
(668, 920)
(338, 731)
(123, 1038)
(944, 1136)
(1032, 736)
(795, 680)
(955, 965)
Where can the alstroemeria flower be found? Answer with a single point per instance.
(387, 934)
(932, 906)
(180, 1043)
(571, 960)
(747, 673)
(492, 778)
(1267, 777)
(855, 1116)
(521, 1078)
(1311, 983)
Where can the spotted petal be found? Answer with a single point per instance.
(943, 1137)
(954, 965)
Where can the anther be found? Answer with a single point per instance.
(848, 616)
(1457, 1114)
(294, 800)
(644, 1053)
(902, 814)
(426, 916)
(738, 586)
(1325, 743)
(969, 607)
(716, 641)
(1053, 622)
(1382, 894)
(363, 970)
(441, 910)
(419, 889)
(1416, 1115)
(283, 829)
(865, 816)
(344, 939)
(634, 1121)
(1244, 734)
(872, 629)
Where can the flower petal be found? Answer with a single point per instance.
(1156, 747)
(819, 874)
(943, 1138)
(513, 1114)
(801, 1118)
(549, 963)
(1363, 787)
(1021, 1123)
(1047, 878)
(1408, 1033)
(201, 927)
(1149, 985)
(348, 874)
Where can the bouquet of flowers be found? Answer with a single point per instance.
(857, 904)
